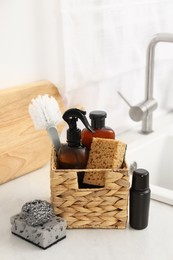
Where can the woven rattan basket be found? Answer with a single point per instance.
(105, 207)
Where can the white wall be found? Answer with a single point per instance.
(90, 49)
(28, 42)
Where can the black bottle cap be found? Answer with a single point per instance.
(98, 118)
(140, 180)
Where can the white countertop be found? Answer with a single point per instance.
(154, 242)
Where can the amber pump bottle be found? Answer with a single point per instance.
(72, 155)
(100, 130)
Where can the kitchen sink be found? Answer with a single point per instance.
(154, 152)
(156, 156)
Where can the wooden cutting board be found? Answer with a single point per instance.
(22, 148)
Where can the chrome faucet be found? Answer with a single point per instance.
(144, 111)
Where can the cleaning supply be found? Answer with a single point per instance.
(72, 155)
(104, 154)
(139, 199)
(46, 114)
(100, 130)
(37, 224)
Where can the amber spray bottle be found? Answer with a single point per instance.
(73, 155)
(98, 125)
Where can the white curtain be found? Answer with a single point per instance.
(89, 49)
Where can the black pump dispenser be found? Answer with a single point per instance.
(139, 199)
(71, 116)
(72, 155)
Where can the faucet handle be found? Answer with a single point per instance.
(135, 112)
(138, 112)
(121, 95)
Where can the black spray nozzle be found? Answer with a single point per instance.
(71, 116)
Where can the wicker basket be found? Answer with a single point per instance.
(105, 207)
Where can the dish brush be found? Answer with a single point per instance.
(46, 114)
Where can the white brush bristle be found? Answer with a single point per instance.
(45, 112)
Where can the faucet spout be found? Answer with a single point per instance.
(144, 110)
(160, 37)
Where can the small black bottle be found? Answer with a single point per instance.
(139, 199)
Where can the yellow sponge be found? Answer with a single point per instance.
(104, 154)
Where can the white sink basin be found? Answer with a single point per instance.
(154, 152)
(156, 156)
